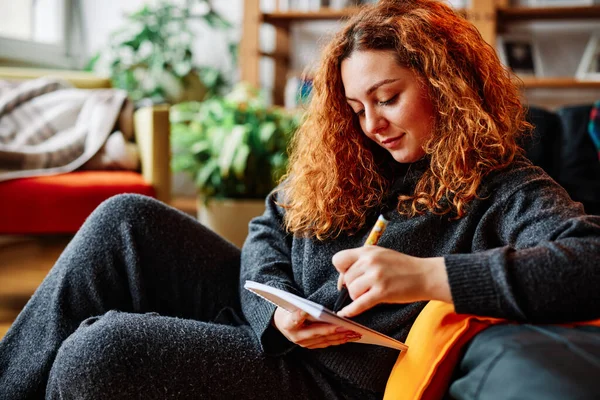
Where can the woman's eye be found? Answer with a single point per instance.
(389, 101)
(359, 113)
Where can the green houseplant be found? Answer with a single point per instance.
(151, 55)
(234, 148)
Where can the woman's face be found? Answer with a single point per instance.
(390, 101)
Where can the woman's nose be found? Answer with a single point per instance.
(374, 122)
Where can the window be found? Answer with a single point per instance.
(38, 32)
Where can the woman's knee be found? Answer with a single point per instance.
(124, 208)
(96, 356)
(135, 213)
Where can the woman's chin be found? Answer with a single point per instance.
(405, 157)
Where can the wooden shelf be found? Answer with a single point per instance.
(515, 14)
(505, 14)
(286, 17)
(324, 14)
(559, 83)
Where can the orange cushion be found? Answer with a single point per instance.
(436, 341)
(60, 203)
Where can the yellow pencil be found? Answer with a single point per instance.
(376, 232)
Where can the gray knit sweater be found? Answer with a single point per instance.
(525, 251)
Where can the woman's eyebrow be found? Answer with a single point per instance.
(376, 86)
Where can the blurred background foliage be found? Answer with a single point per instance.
(232, 146)
(151, 55)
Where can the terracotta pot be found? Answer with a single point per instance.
(229, 218)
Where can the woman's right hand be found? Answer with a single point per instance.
(298, 328)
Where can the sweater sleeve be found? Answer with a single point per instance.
(539, 258)
(266, 258)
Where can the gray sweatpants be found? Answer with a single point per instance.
(144, 303)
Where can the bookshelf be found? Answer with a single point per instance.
(285, 17)
(508, 15)
(491, 17)
(559, 83)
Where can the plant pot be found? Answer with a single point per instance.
(229, 217)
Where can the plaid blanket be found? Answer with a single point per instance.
(48, 127)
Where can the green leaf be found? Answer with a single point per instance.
(267, 131)
(214, 20)
(240, 161)
(233, 49)
(91, 64)
(233, 142)
(216, 136)
(205, 173)
(200, 147)
(183, 112)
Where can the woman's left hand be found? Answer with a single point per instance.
(375, 275)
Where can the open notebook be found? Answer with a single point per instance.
(291, 302)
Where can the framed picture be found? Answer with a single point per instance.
(589, 67)
(520, 53)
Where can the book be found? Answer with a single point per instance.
(290, 302)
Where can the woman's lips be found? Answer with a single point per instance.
(392, 142)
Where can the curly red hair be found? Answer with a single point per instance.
(336, 174)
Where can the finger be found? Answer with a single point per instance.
(358, 284)
(322, 345)
(355, 273)
(318, 329)
(312, 342)
(356, 269)
(296, 319)
(360, 304)
(311, 332)
(331, 340)
(342, 260)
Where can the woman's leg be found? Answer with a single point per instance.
(141, 356)
(133, 254)
(530, 362)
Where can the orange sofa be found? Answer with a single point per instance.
(60, 203)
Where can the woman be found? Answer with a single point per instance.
(413, 116)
